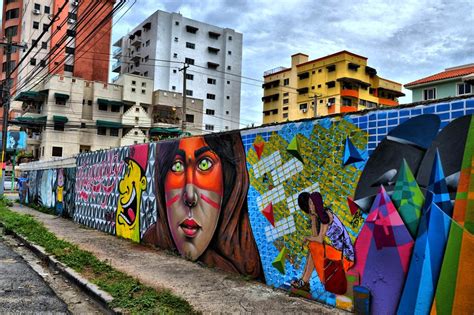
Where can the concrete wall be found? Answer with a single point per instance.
(369, 212)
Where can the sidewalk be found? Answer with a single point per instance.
(208, 290)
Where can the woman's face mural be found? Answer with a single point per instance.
(193, 194)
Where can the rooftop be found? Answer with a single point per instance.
(449, 73)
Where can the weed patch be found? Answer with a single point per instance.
(128, 293)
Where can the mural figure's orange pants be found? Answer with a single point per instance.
(322, 254)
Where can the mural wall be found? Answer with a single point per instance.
(372, 213)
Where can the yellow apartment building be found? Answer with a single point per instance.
(341, 82)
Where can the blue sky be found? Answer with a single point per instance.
(404, 40)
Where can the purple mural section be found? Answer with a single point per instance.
(370, 212)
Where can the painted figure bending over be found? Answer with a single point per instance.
(202, 187)
(330, 261)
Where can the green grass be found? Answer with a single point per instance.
(128, 293)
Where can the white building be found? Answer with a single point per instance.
(159, 46)
(66, 115)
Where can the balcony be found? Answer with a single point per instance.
(348, 109)
(136, 41)
(117, 53)
(136, 57)
(116, 67)
(350, 93)
(34, 139)
(387, 102)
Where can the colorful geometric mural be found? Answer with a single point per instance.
(371, 212)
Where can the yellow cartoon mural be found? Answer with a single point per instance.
(131, 187)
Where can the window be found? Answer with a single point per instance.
(346, 102)
(37, 6)
(11, 31)
(147, 43)
(101, 131)
(285, 108)
(70, 50)
(83, 125)
(33, 61)
(45, 27)
(429, 94)
(44, 45)
(189, 61)
(173, 87)
(57, 151)
(190, 45)
(176, 23)
(189, 118)
(145, 74)
(134, 82)
(189, 76)
(285, 101)
(143, 84)
(211, 81)
(115, 109)
(331, 101)
(133, 90)
(175, 71)
(89, 102)
(285, 115)
(36, 25)
(114, 132)
(143, 91)
(304, 106)
(210, 127)
(72, 16)
(228, 82)
(60, 101)
(227, 112)
(229, 68)
(191, 29)
(286, 81)
(34, 42)
(464, 88)
(211, 96)
(69, 68)
(146, 58)
(47, 9)
(228, 97)
(12, 14)
(10, 1)
(331, 68)
(230, 37)
(175, 55)
(103, 106)
(58, 126)
(331, 84)
(229, 52)
(286, 94)
(176, 39)
(189, 92)
(319, 86)
(210, 112)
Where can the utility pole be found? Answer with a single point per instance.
(183, 119)
(6, 102)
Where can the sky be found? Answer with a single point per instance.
(404, 40)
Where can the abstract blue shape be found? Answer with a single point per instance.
(439, 188)
(325, 123)
(426, 261)
(351, 154)
(410, 131)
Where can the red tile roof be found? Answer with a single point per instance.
(447, 74)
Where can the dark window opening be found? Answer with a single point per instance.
(57, 151)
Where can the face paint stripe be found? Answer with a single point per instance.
(210, 201)
(172, 200)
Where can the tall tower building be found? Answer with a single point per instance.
(159, 46)
(72, 44)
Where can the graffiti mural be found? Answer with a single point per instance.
(114, 188)
(201, 199)
(369, 212)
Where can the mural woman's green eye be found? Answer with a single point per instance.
(205, 164)
(177, 167)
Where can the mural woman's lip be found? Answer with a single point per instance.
(190, 227)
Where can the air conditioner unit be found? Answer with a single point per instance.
(304, 110)
(71, 21)
(36, 11)
(329, 104)
(75, 3)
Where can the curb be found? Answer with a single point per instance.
(93, 291)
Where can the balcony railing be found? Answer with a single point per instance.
(387, 102)
(117, 52)
(350, 93)
(116, 66)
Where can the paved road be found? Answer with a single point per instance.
(22, 289)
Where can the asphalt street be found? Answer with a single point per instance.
(22, 289)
